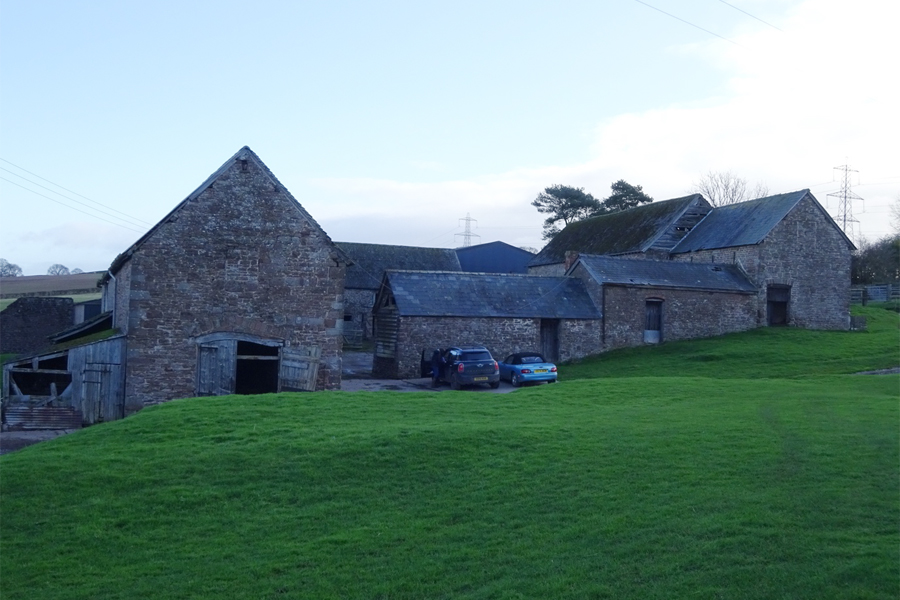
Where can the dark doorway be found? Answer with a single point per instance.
(550, 339)
(778, 299)
(653, 321)
(257, 369)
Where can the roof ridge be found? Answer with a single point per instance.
(241, 154)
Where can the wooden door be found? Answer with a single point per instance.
(299, 369)
(216, 363)
(550, 339)
(103, 393)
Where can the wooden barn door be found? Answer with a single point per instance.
(299, 369)
(550, 339)
(103, 399)
(216, 364)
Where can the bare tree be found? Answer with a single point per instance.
(895, 214)
(724, 187)
(75, 271)
(8, 269)
(58, 269)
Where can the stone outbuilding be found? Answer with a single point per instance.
(418, 311)
(237, 290)
(365, 274)
(787, 245)
(651, 301)
(790, 248)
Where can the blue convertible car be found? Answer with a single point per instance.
(524, 367)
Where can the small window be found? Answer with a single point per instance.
(348, 318)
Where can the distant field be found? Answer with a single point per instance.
(4, 302)
(752, 466)
(47, 284)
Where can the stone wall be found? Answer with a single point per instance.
(502, 336)
(806, 252)
(239, 257)
(686, 314)
(26, 324)
(358, 308)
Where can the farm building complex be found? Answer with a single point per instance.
(239, 290)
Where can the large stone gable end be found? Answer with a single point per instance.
(241, 255)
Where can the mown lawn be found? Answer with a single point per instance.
(690, 484)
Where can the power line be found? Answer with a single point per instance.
(749, 15)
(71, 207)
(687, 22)
(132, 219)
(68, 190)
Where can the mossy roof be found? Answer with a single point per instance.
(624, 232)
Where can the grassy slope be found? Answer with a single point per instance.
(697, 485)
(766, 352)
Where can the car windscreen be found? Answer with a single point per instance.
(526, 360)
(484, 356)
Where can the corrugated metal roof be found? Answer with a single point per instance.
(741, 224)
(443, 294)
(494, 257)
(666, 273)
(370, 261)
(628, 231)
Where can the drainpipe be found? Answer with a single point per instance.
(114, 295)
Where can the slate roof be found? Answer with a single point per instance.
(370, 261)
(244, 153)
(494, 257)
(448, 294)
(666, 273)
(624, 232)
(745, 223)
(100, 322)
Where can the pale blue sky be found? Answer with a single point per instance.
(390, 121)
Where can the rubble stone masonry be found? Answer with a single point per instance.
(239, 257)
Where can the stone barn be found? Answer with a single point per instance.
(650, 301)
(417, 311)
(792, 251)
(787, 245)
(237, 290)
(364, 277)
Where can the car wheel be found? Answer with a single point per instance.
(514, 380)
(495, 385)
(552, 381)
(454, 383)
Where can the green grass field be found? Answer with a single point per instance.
(763, 470)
